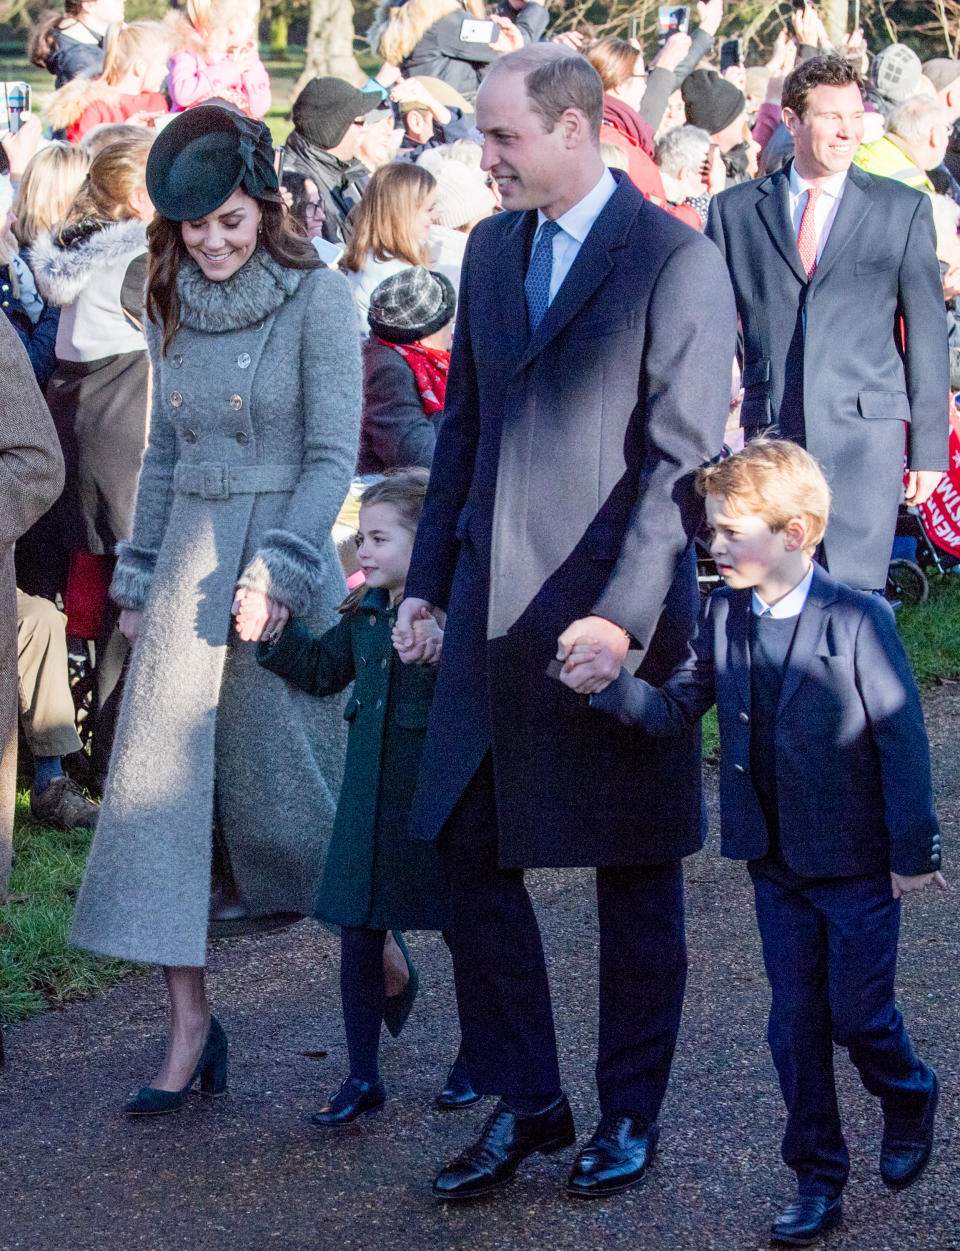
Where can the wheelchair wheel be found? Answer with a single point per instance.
(906, 583)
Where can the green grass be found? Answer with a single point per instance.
(931, 632)
(38, 967)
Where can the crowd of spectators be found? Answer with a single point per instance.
(387, 182)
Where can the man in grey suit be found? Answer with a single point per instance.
(844, 336)
(589, 379)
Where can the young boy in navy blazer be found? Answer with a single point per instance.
(824, 790)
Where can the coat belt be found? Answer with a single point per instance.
(219, 482)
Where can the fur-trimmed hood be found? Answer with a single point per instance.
(68, 103)
(64, 263)
(250, 295)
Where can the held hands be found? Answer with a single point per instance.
(592, 649)
(422, 644)
(509, 39)
(413, 638)
(259, 616)
(129, 624)
(906, 885)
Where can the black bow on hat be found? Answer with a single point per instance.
(202, 156)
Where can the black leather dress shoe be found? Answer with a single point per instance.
(615, 1158)
(506, 1139)
(458, 1092)
(353, 1099)
(805, 1220)
(906, 1145)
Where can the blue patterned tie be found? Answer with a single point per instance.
(537, 282)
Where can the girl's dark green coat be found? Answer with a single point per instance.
(374, 875)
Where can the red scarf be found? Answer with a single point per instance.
(430, 367)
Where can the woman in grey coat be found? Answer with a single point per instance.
(253, 437)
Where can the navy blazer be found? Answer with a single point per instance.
(562, 485)
(853, 765)
(863, 398)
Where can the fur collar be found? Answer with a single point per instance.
(253, 293)
(64, 265)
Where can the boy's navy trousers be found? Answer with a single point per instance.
(830, 950)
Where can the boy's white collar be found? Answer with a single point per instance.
(790, 606)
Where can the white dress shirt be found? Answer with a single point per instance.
(825, 209)
(574, 226)
(790, 606)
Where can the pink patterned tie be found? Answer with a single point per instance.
(807, 238)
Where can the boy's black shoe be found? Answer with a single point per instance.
(616, 1157)
(507, 1138)
(906, 1145)
(353, 1099)
(457, 1092)
(805, 1220)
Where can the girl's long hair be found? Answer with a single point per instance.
(384, 220)
(397, 31)
(48, 187)
(123, 46)
(403, 489)
(280, 235)
(114, 175)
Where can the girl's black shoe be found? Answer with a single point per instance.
(211, 1069)
(458, 1092)
(354, 1098)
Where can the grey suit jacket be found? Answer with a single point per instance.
(833, 344)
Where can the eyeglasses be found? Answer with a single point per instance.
(313, 208)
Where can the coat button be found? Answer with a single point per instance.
(189, 436)
(236, 403)
(176, 399)
(745, 718)
(372, 618)
(242, 438)
(739, 769)
(379, 704)
(177, 360)
(363, 660)
(243, 360)
(383, 663)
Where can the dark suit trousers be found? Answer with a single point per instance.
(502, 989)
(830, 950)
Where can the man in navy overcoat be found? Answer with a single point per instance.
(590, 377)
(846, 354)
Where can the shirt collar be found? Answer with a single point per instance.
(577, 221)
(791, 604)
(833, 185)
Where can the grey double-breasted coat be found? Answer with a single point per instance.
(253, 438)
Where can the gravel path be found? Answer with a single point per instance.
(247, 1172)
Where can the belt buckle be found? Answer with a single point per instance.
(216, 483)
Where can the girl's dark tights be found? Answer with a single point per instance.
(362, 994)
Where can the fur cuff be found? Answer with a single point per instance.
(132, 576)
(286, 567)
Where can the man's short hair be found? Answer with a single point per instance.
(819, 71)
(684, 147)
(556, 79)
(773, 479)
(914, 119)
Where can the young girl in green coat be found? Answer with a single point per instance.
(375, 879)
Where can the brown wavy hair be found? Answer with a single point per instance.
(383, 221)
(281, 236)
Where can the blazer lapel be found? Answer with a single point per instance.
(810, 628)
(774, 208)
(853, 207)
(503, 283)
(591, 266)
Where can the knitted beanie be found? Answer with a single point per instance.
(411, 305)
(711, 102)
(462, 194)
(896, 72)
(324, 109)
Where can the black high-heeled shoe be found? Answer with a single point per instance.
(211, 1070)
